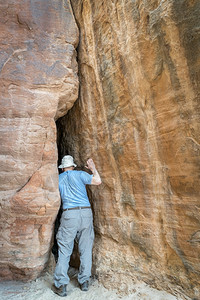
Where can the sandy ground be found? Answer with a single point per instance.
(40, 289)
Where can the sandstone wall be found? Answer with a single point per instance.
(38, 83)
(138, 117)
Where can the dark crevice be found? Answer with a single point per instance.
(64, 148)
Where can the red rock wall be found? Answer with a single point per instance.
(138, 117)
(38, 83)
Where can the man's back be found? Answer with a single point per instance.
(72, 188)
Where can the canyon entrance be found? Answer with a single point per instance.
(121, 79)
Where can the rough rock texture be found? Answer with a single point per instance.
(138, 117)
(38, 83)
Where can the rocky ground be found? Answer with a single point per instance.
(40, 289)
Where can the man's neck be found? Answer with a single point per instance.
(68, 169)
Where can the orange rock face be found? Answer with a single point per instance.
(38, 83)
(138, 117)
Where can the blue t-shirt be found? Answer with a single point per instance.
(72, 188)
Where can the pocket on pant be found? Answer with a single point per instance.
(70, 214)
(87, 213)
(59, 234)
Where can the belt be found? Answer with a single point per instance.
(78, 207)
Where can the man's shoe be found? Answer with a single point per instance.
(85, 286)
(61, 291)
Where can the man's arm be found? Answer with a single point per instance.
(96, 179)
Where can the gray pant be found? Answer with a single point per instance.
(74, 223)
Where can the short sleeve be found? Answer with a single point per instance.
(86, 178)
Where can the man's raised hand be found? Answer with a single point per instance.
(96, 180)
(90, 165)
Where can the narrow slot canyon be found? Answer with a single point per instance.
(117, 81)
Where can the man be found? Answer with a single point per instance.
(76, 222)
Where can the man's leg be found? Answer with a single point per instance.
(85, 238)
(65, 239)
